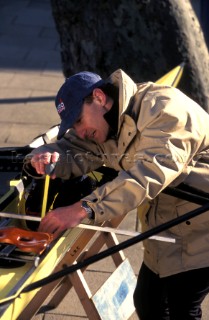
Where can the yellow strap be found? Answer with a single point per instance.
(45, 197)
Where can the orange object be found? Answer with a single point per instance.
(28, 241)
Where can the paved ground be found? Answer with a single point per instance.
(31, 71)
(30, 75)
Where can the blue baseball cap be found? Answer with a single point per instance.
(69, 99)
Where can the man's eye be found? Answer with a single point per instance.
(78, 121)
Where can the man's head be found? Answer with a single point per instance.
(70, 98)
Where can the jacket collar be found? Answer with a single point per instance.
(127, 88)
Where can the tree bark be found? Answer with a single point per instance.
(145, 38)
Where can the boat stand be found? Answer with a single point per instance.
(79, 252)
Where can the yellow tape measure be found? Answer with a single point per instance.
(45, 196)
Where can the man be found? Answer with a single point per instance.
(153, 136)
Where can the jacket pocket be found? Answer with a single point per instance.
(195, 237)
(194, 224)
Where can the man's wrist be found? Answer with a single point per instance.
(88, 209)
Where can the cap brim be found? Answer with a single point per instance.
(67, 123)
(62, 130)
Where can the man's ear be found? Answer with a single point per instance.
(99, 95)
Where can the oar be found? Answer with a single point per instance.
(87, 226)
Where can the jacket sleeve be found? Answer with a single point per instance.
(168, 139)
(77, 157)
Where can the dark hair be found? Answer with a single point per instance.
(108, 88)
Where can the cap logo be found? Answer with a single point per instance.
(60, 106)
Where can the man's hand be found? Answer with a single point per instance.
(60, 219)
(40, 160)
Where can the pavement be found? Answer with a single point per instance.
(30, 75)
(31, 71)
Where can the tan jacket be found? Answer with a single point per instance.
(163, 140)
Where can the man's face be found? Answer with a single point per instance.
(91, 124)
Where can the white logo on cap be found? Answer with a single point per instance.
(60, 107)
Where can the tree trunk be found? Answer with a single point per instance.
(145, 38)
